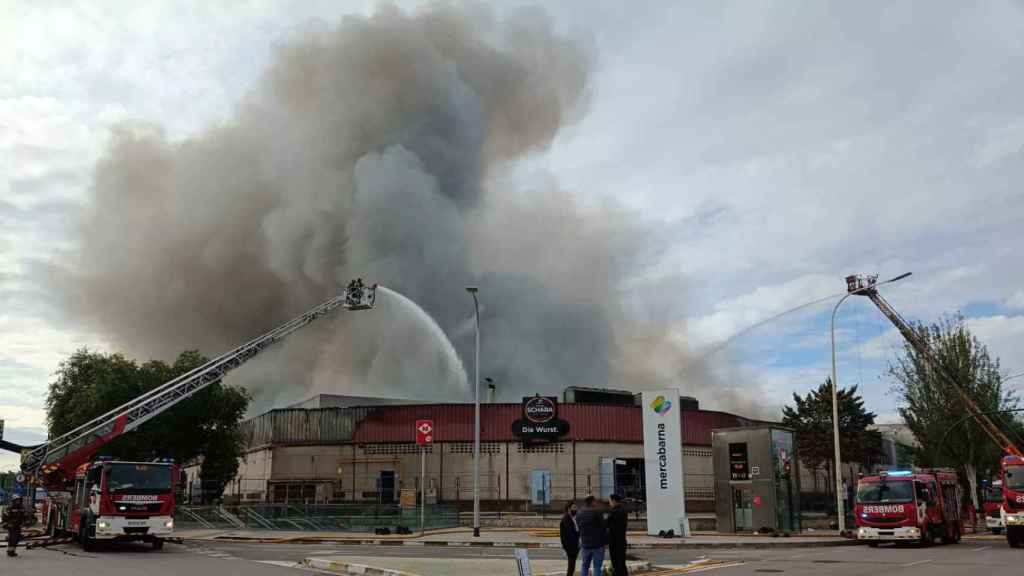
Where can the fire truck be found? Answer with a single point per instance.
(992, 506)
(920, 506)
(1012, 464)
(1013, 500)
(99, 499)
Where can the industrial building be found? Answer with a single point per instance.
(338, 449)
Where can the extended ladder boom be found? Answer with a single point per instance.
(72, 448)
(865, 286)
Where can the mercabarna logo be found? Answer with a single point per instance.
(661, 405)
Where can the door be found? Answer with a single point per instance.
(387, 486)
(540, 487)
(742, 509)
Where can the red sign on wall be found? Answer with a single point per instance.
(757, 500)
(424, 432)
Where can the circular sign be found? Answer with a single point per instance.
(539, 409)
(19, 478)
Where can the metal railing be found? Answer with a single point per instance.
(317, 517)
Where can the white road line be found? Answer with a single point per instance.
(980, 549)
(916, 563)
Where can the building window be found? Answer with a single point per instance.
(467, 448)
(389, 449)
(702, 452)
(551, 448)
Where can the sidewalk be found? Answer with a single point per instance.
(513, 538)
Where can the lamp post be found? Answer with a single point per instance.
(840, 508)
(473, 290)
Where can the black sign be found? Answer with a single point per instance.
(540, 409)
(540, 421)
(739, 464)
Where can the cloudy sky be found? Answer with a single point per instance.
(772, 147)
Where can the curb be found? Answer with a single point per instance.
(351, 568)
(347, 568)
(763, 545)
(633, 567)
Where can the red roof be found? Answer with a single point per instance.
(587, 422)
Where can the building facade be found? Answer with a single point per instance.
(367, 453)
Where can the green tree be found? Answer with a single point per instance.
(930, 404)
(205, 426)
(810, 417)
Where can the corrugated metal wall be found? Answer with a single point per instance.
(454, 423)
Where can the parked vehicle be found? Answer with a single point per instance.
(909, 506)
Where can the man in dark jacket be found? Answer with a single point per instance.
(569, 532)
(617, 523)
(15, 516)
(593, 537)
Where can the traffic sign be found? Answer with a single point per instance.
(424, 432)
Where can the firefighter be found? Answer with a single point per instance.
(14, 517)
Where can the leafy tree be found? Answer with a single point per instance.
(811, 419)
(89, 384)
(931, 404)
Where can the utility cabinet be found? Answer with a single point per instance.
(756, 479)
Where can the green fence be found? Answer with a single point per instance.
(314, 517)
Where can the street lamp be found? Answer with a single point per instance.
(476, 415)
(838, 466)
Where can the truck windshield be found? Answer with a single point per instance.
(876, 492)
(1015, 478)
(139, 478)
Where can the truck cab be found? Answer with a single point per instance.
(1013, 500)
(906, 506)
(111, 500)
(992, 506)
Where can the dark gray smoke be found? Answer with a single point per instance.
(374, 150)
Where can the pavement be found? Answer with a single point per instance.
(515, 538)
(391, 566)
(221, 558)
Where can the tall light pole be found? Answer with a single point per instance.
(476, 415)
(838, 466)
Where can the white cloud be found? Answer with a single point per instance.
(1004, 337)
(1016, 300)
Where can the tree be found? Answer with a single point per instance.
(89, 384)
(931, 404)
(811, 420)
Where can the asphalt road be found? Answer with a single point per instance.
(225, 559)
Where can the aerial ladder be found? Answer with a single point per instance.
(1012, 509)
(54, 462)
(866, 286)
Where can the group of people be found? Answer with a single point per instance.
(589, 530)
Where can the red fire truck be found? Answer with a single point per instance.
(909, 506)
(100, 499)
(992, 505)
(1013, 500)
(1012, 463)
(112, 500)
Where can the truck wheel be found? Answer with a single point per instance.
(997, 531)
(158, 544)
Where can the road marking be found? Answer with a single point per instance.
(916, 563)
(980, 549)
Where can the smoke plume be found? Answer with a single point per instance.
(373, 149)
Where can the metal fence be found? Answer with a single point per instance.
(317, 517)
(451, 489)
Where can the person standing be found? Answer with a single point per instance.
(617, 524)
(569, 531)
(14, 517)
(593, 537)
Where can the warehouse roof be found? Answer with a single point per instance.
(454, 423)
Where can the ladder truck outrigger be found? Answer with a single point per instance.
(97, 499)
(1012, 463)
